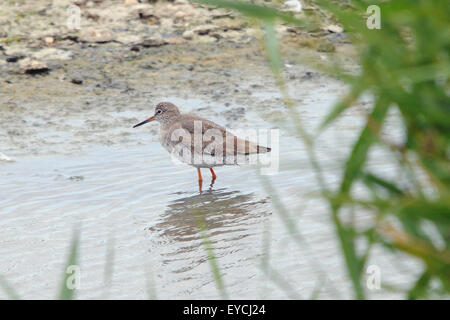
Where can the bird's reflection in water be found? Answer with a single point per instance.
(227, 216)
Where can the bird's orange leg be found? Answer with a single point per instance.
(213, 177)
(213, 174)
(200, 180)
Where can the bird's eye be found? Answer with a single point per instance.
(159, 111)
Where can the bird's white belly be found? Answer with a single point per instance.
(179, 152)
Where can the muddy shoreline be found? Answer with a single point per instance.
(95, 88)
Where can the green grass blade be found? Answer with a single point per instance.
(342, 105)
(9, 290)
(272, 46)
(150, 284)
(212, 259)
(253, 10)
(372, 179)
(109, 266)
(359, 153)
(283, 283)
(65, 292)
(354, 264)
(420, 288)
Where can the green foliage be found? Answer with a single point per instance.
(405, 65)
(252, 10)
(9, 290)
(65, 292)
(212, 258)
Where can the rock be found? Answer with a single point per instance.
(77, 81)
(128, 39)
(334, 29)
(166, 24)
(230, 35)
(293, 6)
(30, 66)
(49, 41)
(96, 35)
(294, 29)
(188, 35)
(180, 15)
(13, 59)
(220, 13)
(176, 40)
(149, 18)
(231, 24)
(141, 11)
(52, 54)
(155, 41)
(204, 29)
(207, 39)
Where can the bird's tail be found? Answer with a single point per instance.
(241, 146)
(253, 148)
(263, 149)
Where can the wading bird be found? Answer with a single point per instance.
(199, 142)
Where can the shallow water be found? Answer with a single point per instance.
(152, 214)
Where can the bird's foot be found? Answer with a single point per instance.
(212, 183)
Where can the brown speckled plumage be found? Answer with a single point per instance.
(177, 132)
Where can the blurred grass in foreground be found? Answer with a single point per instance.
(71, 272)
(405, 66)
(65, 292)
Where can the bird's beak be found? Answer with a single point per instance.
(145, 121)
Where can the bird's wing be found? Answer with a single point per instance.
(215, 138)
